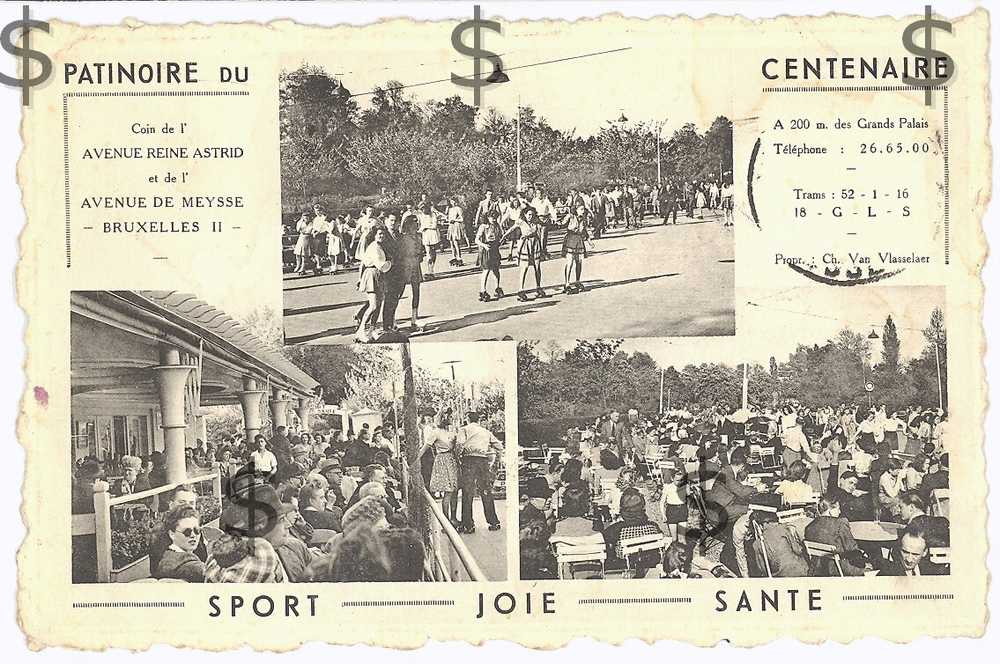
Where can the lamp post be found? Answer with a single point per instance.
(517, 121)
(451, 364)
(659, 130)
(871, 370)
(937, 364)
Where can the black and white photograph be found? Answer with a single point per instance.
(818, 452)
(408, 213)
(203, 451)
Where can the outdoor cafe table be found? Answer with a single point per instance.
(875, 531)
(875, 538)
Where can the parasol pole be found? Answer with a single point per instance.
(746, 384)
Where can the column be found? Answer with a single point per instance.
(302, 410)
(171, 377)
(250, 399)
(279, 409)
(201, 428)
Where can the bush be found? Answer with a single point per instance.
(549, 430)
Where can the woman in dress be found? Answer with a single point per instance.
(574, 249)
(427, 217)
(335, 243)
(410, 253)
(444, 473)
(374, 265)
(510, 218)
(488, 241)
(727, 204)
(320, 231)
(456, 232)
(700, 201)
(303, 246)
(528, 251)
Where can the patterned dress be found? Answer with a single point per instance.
(444, 474)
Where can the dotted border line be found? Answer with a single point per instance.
(65, 110)
(851, 88)
(145, 93)
(894, 598)
(399, 602)
(635, 600)
(947, 187)
(128, 605)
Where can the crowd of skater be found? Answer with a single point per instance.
(391, 249)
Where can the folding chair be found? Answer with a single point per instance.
(940, 555)
(534, 455)
(820, 551)
(802, 504)
(573, 553)
(758, 534)
(941, 502)
(769, 461)
(633, 546)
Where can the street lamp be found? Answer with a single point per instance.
(451, 364)
(872, 337)
(659, 129)
(498, 75)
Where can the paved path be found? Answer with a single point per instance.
(489, 547)
(652, 281)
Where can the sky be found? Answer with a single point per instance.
(650, 81)
(777, 321)
(479, 362)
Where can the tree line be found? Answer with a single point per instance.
(336, 153)
(594, 377)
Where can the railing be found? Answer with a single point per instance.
(451, 559)
(99, 524)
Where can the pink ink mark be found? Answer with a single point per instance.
(41, 396)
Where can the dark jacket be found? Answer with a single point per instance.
(835, 531)
(295, 557)
(326, 519)
(358, 454)
(786, 554)
(932, 481)
(730, 493)
(895, 568)
(161, 543)
(180, 565)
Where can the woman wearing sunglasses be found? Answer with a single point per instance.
(179, 561)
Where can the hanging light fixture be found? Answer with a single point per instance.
(498, 76)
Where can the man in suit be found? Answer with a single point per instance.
(613, 430)
(315, 511)
(393, 279)
(852, 507)
(937, 528)
(668, 202)
(936, 478)
(728, 492)
(910, 556)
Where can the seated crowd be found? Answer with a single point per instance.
(299, 509)
(784, 492)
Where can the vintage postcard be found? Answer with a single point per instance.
(478, 329)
